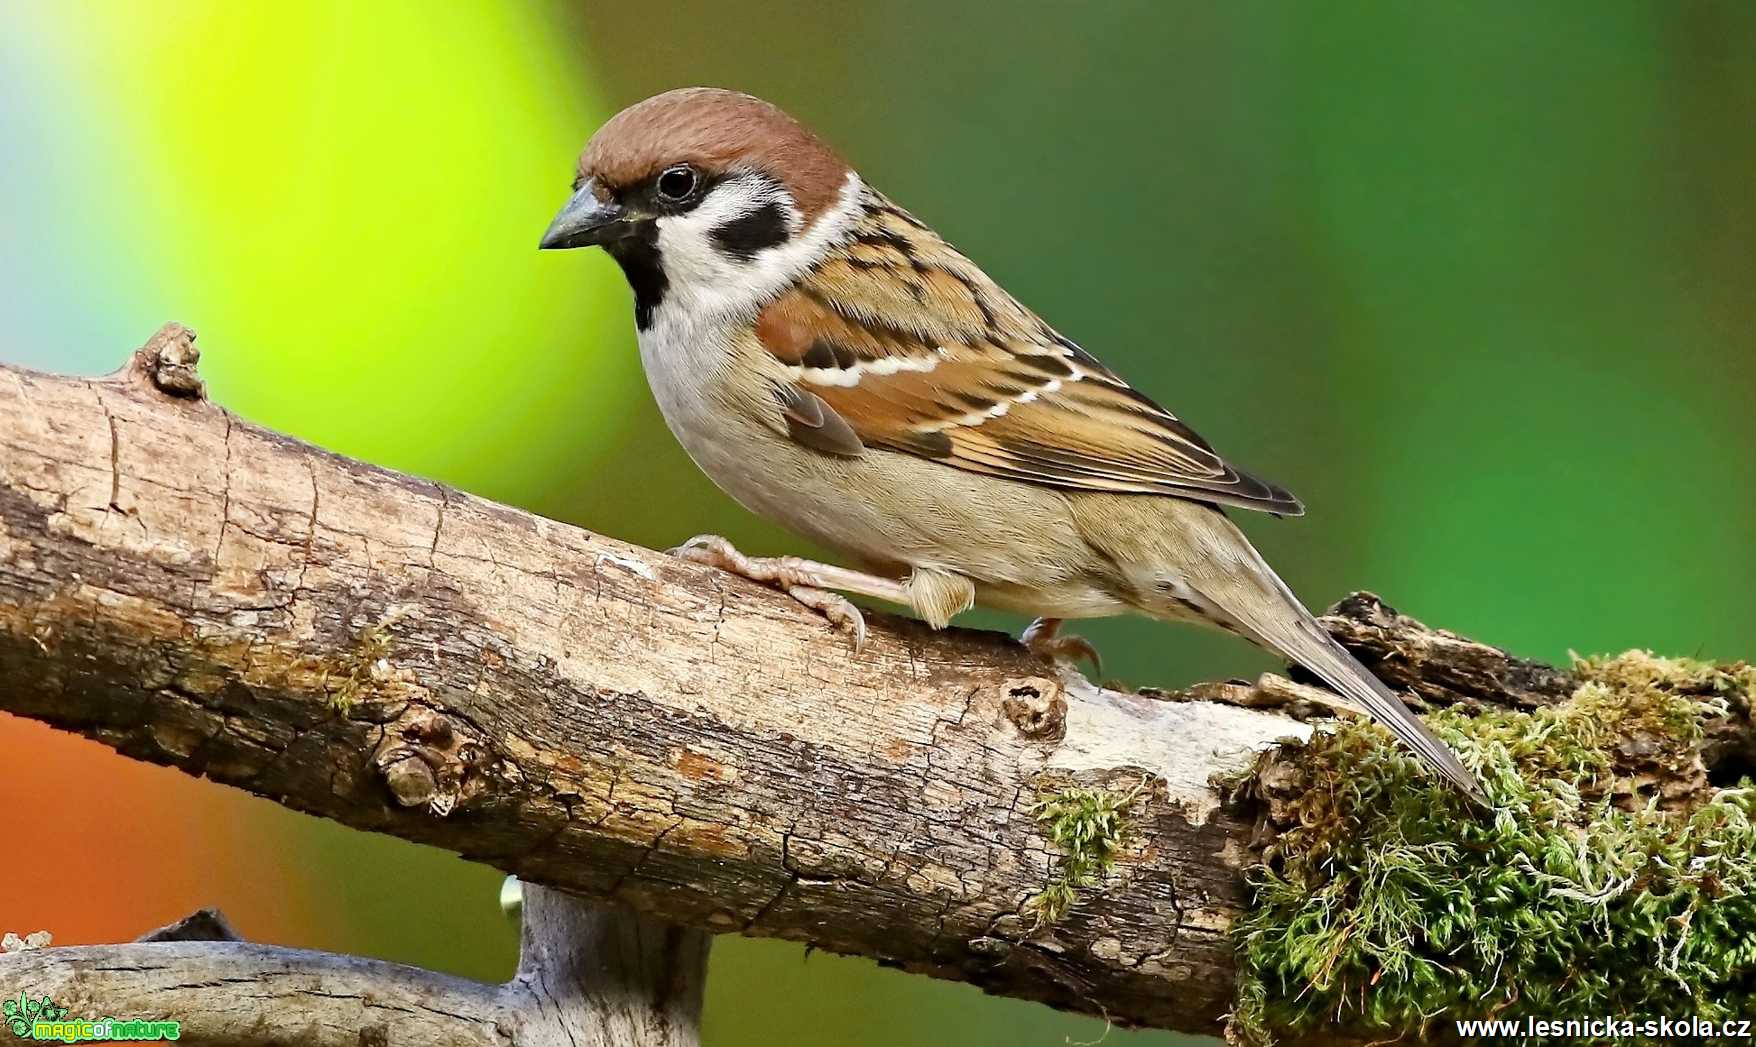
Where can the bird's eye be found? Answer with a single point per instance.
(678, 183)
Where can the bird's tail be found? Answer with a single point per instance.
(1303, 641)
(1228, 582)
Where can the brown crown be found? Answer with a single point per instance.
(716, 131)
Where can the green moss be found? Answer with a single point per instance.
(359, 668)
(1611, 879)
(1090, 828)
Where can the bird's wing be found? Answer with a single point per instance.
(897, 341)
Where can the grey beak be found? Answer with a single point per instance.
(585, 221)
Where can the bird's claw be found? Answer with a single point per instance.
(840, 611)
(1043, 638)
(714, 551)
(787, 573)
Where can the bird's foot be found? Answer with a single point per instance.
(804, 580)
(1044, 639)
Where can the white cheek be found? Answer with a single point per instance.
(707, 281)
(691, 258)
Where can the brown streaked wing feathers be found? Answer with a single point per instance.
(811, 422)
(953, 369)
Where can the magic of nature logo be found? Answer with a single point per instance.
(42, 1019)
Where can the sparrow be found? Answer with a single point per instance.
(837, 367)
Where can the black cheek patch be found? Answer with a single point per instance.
(760, 229)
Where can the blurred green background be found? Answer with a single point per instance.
(1477, 281)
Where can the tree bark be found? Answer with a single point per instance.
(590, 715)
(590, 976)
(587, 977)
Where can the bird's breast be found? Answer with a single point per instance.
(880, 507)
(709, 387)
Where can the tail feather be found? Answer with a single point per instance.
(1182, 560)
(1317, 651)
(1253, 600)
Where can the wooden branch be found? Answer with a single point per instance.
(238, 993)
(586, 975)
(378, 649)
(594, 975)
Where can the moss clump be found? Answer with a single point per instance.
(1611, 879)
(1090, 827)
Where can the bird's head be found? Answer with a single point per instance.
(704, 194)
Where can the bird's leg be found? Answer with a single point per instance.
(938, 595)
(1044, 639)
(806, 581)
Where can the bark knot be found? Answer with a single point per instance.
(1036, 706)
(427, 758)
(167, 362)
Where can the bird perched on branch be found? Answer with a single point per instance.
(837, 367)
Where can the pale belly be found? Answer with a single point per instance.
(888, 511)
